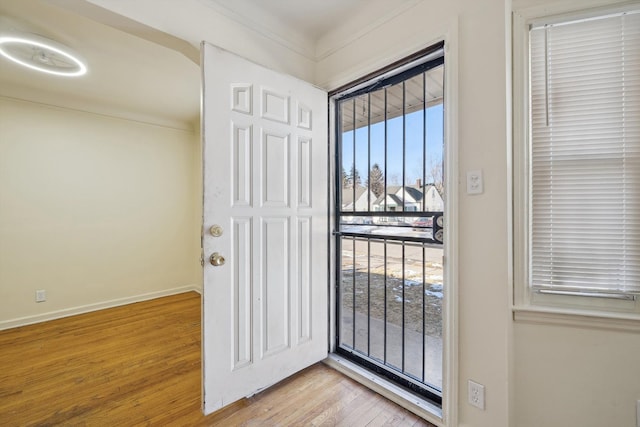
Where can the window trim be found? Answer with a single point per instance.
(529, 306)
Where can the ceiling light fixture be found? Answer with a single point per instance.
(41, 54)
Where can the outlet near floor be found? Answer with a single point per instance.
(41, 295)
(476, 394)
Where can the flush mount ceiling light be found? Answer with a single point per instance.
(41, 54)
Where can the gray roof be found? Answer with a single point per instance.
(396, 199)
(411, 190)
(347, 194)
(414, 192)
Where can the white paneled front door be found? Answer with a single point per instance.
(265, 188)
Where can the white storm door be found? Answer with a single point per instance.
(265, 185)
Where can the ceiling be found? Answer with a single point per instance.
(309, 19)
(128, 76)
(415, 94)
(138, 78)
(313, 28)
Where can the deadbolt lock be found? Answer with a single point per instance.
(216, 230)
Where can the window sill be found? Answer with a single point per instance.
(629, 322)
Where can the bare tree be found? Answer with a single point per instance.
(436, 175)
(344, 179)
(353, 179)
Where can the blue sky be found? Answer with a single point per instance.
(414, 149)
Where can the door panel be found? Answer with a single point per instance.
(265, 183)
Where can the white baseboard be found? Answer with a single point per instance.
(409, 401)
(72, 311)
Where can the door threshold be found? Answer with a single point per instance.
(411, 402)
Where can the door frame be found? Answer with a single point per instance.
(448, 414)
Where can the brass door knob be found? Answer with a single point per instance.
(216, 259)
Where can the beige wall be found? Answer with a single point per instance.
(477, 34)
(575, 376)
(535, 375)
(93, 209)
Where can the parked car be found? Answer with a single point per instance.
(421, 223)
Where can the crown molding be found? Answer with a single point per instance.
(344, 40)
(71, 103)
(304, 49)
(314, 50)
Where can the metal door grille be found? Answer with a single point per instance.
(389, 216)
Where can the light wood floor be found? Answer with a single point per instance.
(140, 365)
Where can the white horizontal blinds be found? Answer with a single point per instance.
(585, 155)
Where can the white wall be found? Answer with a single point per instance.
(433, 200)
(95, 210)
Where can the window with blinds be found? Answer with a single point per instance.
(585, 157)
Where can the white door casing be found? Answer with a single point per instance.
(265, 183)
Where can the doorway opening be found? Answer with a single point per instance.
(390, 212)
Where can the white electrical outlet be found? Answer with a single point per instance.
(476, 394)
(41, 295)
(474, 182)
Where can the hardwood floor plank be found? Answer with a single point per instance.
(362, 410)
(140, 364)
(339, 401)
(276, 404)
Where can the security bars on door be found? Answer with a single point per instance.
(390, 224)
